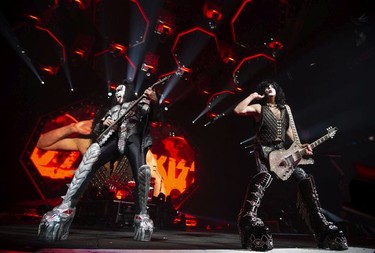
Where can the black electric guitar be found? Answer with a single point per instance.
(109, 130)
(283, 161)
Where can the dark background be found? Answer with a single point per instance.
(326, 69)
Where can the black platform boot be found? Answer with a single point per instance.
(253, 233)
(327, 235)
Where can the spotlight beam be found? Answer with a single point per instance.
(13, 41)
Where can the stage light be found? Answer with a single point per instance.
(80, 53)
(48, 70)
(275, 47)
(117, 49)
(164, 29)
(165, 24)
(213, 14)
(78, 56)
(182, 72)
(150, 64)
(148, 69)
(33, 20)
(227, 54)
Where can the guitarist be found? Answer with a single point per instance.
(130, 136)
(268, 108)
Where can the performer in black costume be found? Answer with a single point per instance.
(273, 126)
(124, 130)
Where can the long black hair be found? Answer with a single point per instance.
(280, 96)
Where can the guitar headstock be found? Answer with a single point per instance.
(332, 131)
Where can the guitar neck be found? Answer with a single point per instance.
(330, 134)
(320, 141)
(133, 104)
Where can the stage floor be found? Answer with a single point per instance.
(19, 227)
(22, 238)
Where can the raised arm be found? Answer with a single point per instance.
(245, 108)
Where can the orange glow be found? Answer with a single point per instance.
(36, 20)
(185, 69)
(176, 165)
(81, 4)
(171, 160)
(55, 164)
(118, 49)
(163, 28)
(120, 194)
(80, 52)
(189, 220)
(49, 70)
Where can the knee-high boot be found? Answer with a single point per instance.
(55, 224)
(143, 225)
(326, 233)
(253, 233)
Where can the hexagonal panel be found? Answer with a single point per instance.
(172, 159)
(116, 25)
(253, 68)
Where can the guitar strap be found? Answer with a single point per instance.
(296, 137)
(292, 125)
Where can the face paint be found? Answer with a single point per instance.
(270, 91)
(120, 93)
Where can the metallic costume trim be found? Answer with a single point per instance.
(143, 225)
(55, 224)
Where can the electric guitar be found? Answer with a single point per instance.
(283, 161)
(102, 138)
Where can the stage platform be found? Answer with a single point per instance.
(19, 228)
(22, 238)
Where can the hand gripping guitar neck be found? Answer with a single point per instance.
(103, 137)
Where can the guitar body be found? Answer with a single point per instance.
(283, 161)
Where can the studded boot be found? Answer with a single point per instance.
(254, 234)
(327, 235)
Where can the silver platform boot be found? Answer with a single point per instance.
(55, 224)
(143, 225)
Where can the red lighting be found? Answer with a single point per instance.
(236, 16)
(275, 45)
(213, 14)
(185, 69)
(118, 49)
(34, 20)
(80, 53)
(211, 11)
(164, 29)
(145, 19)
(81, 5)
(195, 29)
(113, 86)
(229, 59)
(251, 58)
(49, 70)
(55, 39)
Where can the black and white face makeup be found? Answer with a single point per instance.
(270, 91)
(120, 93)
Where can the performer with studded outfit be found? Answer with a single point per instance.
(274, 123)
(124, 130)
